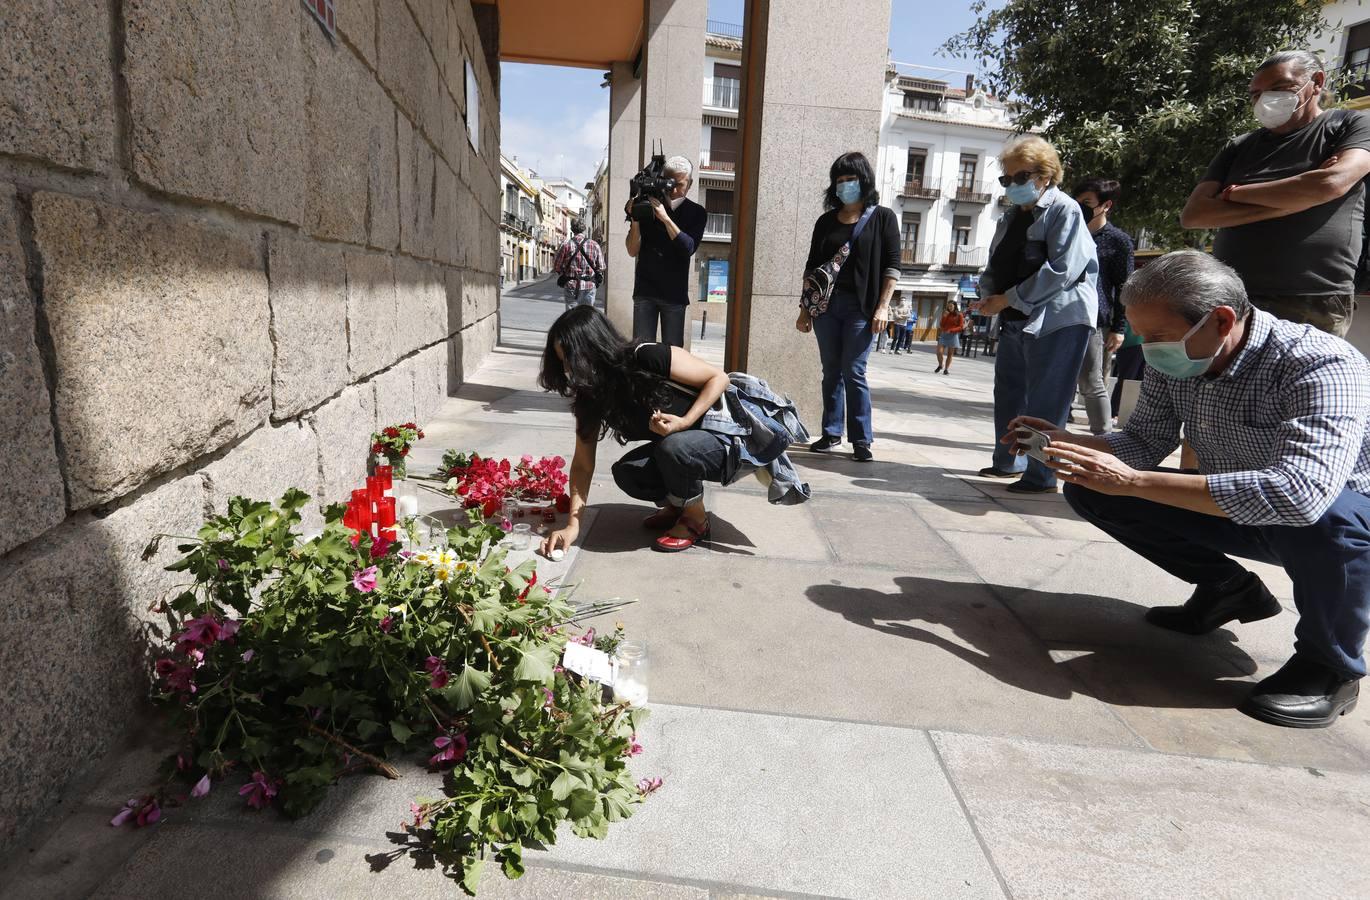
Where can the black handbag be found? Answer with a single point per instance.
(597, 277)
(820, 280)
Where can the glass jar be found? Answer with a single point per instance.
(631, 673)
(521, 537)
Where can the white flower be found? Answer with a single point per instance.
(424, 558)
(442, 573)
(447, 558)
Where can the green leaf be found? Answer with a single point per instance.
(512, 858)
(463, 690)
(470, 876)
(533, 664)
(583, 803)
(565, 783)
(366, 728)
(401, 731)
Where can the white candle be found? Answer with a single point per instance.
(630, 691)
(406, 507)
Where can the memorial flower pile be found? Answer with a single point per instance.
(290, 664)
(394, 443)
(485, 483)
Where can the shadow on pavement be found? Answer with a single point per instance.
(1114, 656)
(618, 529)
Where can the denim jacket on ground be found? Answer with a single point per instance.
(760, 425)
(1062, 291)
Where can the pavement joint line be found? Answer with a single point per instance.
(970, 817)
(659, 878)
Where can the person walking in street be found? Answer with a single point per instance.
(663, 247)
(698, 425)
(865, 236)
(949, 331)
(899, 318)
(906, 333)
(1040, 281)
(1287, 199)
(1097, 197)
(580, 265)
(1277, 413)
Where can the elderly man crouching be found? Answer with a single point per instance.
(1277, 415)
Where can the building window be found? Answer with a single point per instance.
(912, 222)
(918, 162)
(969, 163)
(1357, 60)
(960, 228)
(922, 102)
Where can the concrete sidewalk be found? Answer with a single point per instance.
(913, 686)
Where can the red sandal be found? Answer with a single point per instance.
(671, 544)
(663, 518)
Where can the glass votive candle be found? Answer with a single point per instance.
(631, 673)
(509, 508)
(521, 537)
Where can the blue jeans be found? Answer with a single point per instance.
(647, 311)
(905, 337)
(1034, 376)
(844, 341)
(583, 297)
(673, 470)
(1328, 561)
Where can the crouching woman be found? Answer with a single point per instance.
(694, 424)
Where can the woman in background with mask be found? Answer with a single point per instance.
(860, 305)
(1040, 281)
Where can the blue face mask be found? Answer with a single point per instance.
(1023, 194)
(849, 191)
(1172, 358)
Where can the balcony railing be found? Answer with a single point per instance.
(973, 193)
(1351, 81)
(965, 257)
(518, 223)
(723, 29)
(722, 93)
(911, 254)
(920, 188)
(719, 225)
(718, 161)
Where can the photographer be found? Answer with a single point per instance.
(663, 245)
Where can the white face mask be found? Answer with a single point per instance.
(1275, 108)
(675, 204)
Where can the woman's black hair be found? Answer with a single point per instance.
(851, 164)
(598, 371)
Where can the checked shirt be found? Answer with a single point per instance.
(1279, 433)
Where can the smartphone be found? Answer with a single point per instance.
(1033, 443)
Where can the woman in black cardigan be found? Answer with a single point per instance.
(860, 304)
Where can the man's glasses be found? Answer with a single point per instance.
(1022, 177)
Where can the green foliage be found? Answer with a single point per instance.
(1146, 93)
(326, 675)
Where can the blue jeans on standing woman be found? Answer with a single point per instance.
(1034, 376)
(844, 341)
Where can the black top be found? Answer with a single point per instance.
(1115, 267)
(656, 358)
(1309, 252)
(1009, 262)
(874, 256)
(663, 265)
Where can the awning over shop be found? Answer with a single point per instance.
(593, 34)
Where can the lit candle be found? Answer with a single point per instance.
(630, 691)
(407, 506)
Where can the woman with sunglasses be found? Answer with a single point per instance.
(1040, 281)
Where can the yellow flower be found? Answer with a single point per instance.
(424, 558)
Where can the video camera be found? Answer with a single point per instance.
(651, 182)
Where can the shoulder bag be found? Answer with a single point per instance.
(820, 280)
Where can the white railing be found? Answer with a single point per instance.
(722, 93)
(719, 225)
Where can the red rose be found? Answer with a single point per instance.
(391, 431)
(377, 448)
(563, 504)
(404, 451)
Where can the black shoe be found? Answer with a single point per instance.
(991, 472)
(1209, 608)
(936, 370)
(1302, 694)
(825, 443)
(861, 453)
(946, 371)
(1022, 487)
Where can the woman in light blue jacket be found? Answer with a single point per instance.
(1040, 281)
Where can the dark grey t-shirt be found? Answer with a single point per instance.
(1311, 252)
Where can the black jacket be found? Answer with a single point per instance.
(663, 265)
(874, 257)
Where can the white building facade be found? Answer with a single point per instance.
(938, 170)
(718, 156)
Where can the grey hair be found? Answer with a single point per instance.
(679, 165)
(1191, 283)
(1305, 62)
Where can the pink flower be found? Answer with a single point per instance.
(380, 546)
(260, 791)
(177, 676)
(418, 812)
(387, 623)
(201, 631)
(229, 628)
(451, 750)
(505, 524)
(588, 638)
(649, 785)
(248, 654)
(143, 811)
(182, 762)
(634, 748)
(201, 787)
(223, 565)
(547, 704)
(365, 580)
(438, 669)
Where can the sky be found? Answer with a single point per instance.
(555, 120)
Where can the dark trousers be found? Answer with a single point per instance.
(673, 470)
(1328, 561)
(648, 310)
(844, 343)
(1326, 312)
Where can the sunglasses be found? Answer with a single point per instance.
(1019, 178)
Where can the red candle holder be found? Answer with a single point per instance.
(375, 486)
(350, 517)
(387, 476)
(385, 512)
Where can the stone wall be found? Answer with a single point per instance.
(230, 248)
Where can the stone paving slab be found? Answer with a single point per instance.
(1091, 822)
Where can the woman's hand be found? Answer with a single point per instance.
(881, 320)
(666, 424)
(1113, 343)
(561, 539)
(805, 321)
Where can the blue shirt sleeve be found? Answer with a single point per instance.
(1070, 249)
